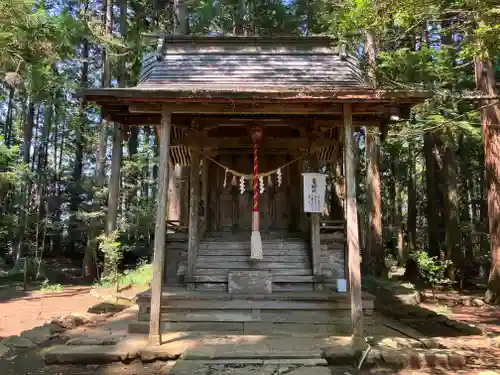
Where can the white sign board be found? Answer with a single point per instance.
(314, 192)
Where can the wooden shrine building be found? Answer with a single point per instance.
(223, 106)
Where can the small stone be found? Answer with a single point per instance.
(495, 342)
(340, 355)
(430, 343)
(465, 301)
(4, 350)
(18, 342)
(54, 328)
(374, 356)
(38, 334)
(397, 358)
(476, 302)
(456, 360)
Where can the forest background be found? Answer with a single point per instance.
(435, 177)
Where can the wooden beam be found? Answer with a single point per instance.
(240, 108)
(194, 217)
(358, 339)
(195, 140)
(160, 230)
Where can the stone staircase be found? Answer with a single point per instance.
(286, 260)
(318, 312)
(232, 293)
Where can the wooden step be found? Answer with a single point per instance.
(213, 245)
(246, 252)
(276, 272)
(207, 259)
(258, 265)
(275, 278)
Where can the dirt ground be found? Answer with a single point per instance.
(20, 310)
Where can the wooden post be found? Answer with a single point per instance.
(315, 233)
(194, 218)
(358, 339)
(204, 193)
(160, 231)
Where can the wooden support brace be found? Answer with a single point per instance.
(160, 231)
(358, 339)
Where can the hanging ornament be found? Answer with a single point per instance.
(261, 185)
(233, 181)
(242, 185)
(225, 179)
(279, 176)
(270, 181)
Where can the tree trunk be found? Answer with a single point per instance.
(412, 201)
(75, 186)
(432, 199)
(490, 118)
(453, 232)
(374, 249)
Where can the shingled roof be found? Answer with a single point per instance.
(251, 64)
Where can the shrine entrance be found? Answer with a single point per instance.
(232, 209)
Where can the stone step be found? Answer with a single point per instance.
(93, 354)
(269, 251)
(260, 328)
(275, 278)
(256, 265)
(207, 259)
(256, 315)
(276, 272)
(229, 245)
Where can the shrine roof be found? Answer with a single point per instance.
(283, 68)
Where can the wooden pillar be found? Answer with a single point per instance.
(352, 231)
(204, 193)
(194, 218)
(315, 223)
(160, 230)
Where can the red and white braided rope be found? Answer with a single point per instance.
(255, 177)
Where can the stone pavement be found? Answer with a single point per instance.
(298, 354)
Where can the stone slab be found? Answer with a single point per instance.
(341, 355)
(18, 342)
(38, 334)
(310, 370)
(93, 341)
(249, 282)
(189, 368)
(93, 354)
(4, 350)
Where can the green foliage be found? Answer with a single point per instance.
(140, 276)
(48, 287)
(112, 250)
(431, 268)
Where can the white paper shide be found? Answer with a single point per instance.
(314, 192)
